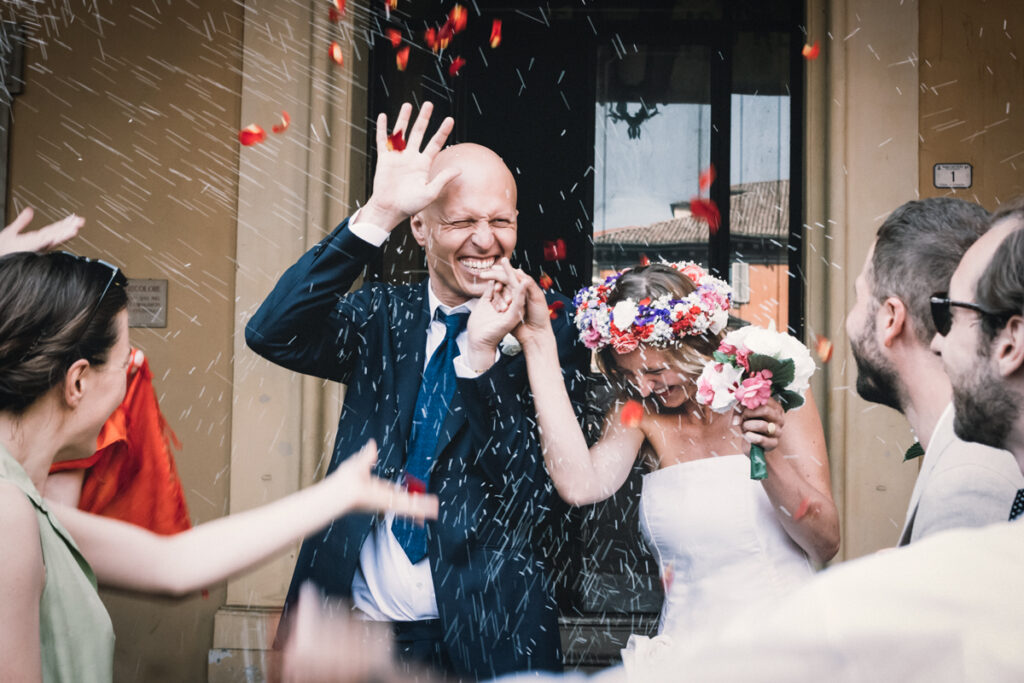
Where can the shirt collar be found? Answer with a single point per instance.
(435, 303)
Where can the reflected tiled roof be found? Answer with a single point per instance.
(755, 210)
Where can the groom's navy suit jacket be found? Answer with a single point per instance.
(491, 575)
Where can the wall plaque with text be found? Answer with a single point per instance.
(147, 303)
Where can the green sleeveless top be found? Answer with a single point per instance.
(75, 634)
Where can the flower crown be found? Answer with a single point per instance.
(661, 322)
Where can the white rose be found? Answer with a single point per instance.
(624, 314)
(510, 346)
(719, 320)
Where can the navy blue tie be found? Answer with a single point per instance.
(431, 410)
(1018, 505)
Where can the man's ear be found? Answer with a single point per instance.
(73, 379)
(1008, 347)
(419, 230)
(891, 320)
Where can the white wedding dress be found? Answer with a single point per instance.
(720, 546)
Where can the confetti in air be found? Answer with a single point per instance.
(496, 33)
(824, 348)
(554, 307)
(252, 135)
(395, 36)
(336, 11)
(802, 510)
(554, 250)
(286, 121)
(707, 177)
(667, 575)
(706, 210)
(430, 38)
(336, 56)
(632, 413)
(414, 484)
(396, 141)
(810, 52)
(402, 58)
(545, 281)
(455, 66)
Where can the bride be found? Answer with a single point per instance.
(723, 541)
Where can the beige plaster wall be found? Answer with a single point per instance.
(971, 96)
(129, 118)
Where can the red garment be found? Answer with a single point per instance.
(132, 476)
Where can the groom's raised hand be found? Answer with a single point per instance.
(402, 185)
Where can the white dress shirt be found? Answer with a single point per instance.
(387, 586)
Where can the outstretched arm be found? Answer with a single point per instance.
(126, 556)
(798, 481)
(582, 475)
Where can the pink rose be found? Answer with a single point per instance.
(755, 391)
(591, 338)
(727, 349)
(705, 392)
(743, 358)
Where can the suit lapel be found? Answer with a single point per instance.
(941, 438)
(409, 365)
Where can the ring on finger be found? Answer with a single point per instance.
(771, 429)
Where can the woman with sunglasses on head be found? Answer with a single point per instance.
(722, 539)
(63, 357)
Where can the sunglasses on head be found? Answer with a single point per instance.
(942, 312)
(117, 279)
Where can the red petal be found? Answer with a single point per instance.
(414, 484)
(335, 53)
(545, 281)
(707, 176)
(444, 36)
(706, 210)
(805, 505)
(396, 141)
(644, 261)
(402, 58)
(811, 51)
(285, 122)
(824, 348)
(666, 578)
(554, 250)
(338, 5)
(392, 4)
(631, 414)
(394, 35)
(252, 135)
(430, 38)
(458, 16)
(496, 33)
(457, 63)
(333, 15)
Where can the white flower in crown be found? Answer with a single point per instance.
(624, 314)
(510, 346)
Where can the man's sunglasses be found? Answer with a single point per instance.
(942, 312)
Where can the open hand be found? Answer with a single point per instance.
(401, 182)
(763, 426)
(14, 239)
(373, 494)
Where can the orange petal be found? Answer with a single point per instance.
(707, 176)
(338, 5)
(336, 56)
(811, 51)
(545, 281)
(824, 348)
(392, 4)
(402, 58)
(631, 414)
(496, 33)
(706, 210)
(459, 17)
(252, 135)
(285, 122)
(430, 38)
(457, 63)
(394, 35)
(396, 141)
(554, 307)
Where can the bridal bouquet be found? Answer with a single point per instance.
(751, 366)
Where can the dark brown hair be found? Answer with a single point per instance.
(54, 310)
(917, 249)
